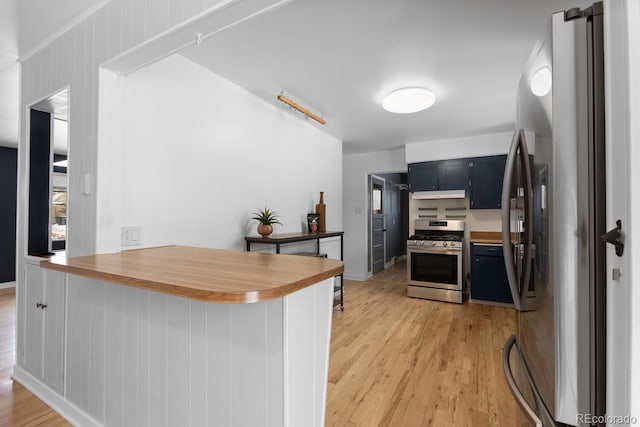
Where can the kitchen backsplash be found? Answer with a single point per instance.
(475, 219)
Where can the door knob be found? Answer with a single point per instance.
(614, 236)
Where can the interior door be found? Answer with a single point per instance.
(377, 241)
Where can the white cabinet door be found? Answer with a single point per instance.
(53, 354)
(34, 291)
(44, 325)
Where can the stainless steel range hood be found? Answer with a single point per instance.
(445, 194)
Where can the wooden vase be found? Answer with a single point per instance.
(321, 210)
(265, 229)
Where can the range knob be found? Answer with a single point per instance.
(433, 243)
(445, 244)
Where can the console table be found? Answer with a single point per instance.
(280, 239)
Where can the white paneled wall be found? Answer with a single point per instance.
(141, 358)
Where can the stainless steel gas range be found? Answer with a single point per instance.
(434, 267)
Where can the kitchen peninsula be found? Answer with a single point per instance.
(193, 336)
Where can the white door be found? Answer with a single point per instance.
(53, 355)
(34, 290)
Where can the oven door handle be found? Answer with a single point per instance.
(435, 251)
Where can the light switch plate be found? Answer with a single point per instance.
(131, 236)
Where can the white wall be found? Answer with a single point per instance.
(201, 154)
(356, 168)
(9, 88)
(456, 148)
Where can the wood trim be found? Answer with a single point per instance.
(211, 275)
(302, 109)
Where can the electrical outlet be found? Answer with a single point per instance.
(131, 236)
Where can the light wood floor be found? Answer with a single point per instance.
(395, 361)
(398, 361)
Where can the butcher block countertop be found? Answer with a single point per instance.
(212, 275)
(493, 237)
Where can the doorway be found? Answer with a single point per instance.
(388, 220)
(377, 230)
(48, 182)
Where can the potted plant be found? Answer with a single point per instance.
(266, 218)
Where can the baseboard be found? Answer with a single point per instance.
(356, 277)
(7, 285)
(394, 260)
(66, 409)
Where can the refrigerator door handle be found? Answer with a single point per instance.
(528, 220)
(509, 262)
(515, 391)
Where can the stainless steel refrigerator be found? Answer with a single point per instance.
(553, 214)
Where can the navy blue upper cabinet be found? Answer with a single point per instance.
(453, 174)
(486, 175)
(482, 176)
(439, 175)
(423, 176)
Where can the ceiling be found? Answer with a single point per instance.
(25, 25)
(338, 58)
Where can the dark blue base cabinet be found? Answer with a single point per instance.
(488, 274)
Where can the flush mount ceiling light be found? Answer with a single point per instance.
(408, 100)
(541, 81)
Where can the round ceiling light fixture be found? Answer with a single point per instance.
(408, 100)
(541, 81)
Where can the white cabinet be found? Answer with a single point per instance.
(44, 325)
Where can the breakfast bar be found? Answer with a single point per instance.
(191, 336)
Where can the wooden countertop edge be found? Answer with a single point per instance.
(225, 297)
(493, 237)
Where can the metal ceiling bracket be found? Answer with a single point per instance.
(614, 237)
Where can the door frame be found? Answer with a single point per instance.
(370, 180)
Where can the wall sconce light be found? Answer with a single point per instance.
(301, 109)
(541, 81)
